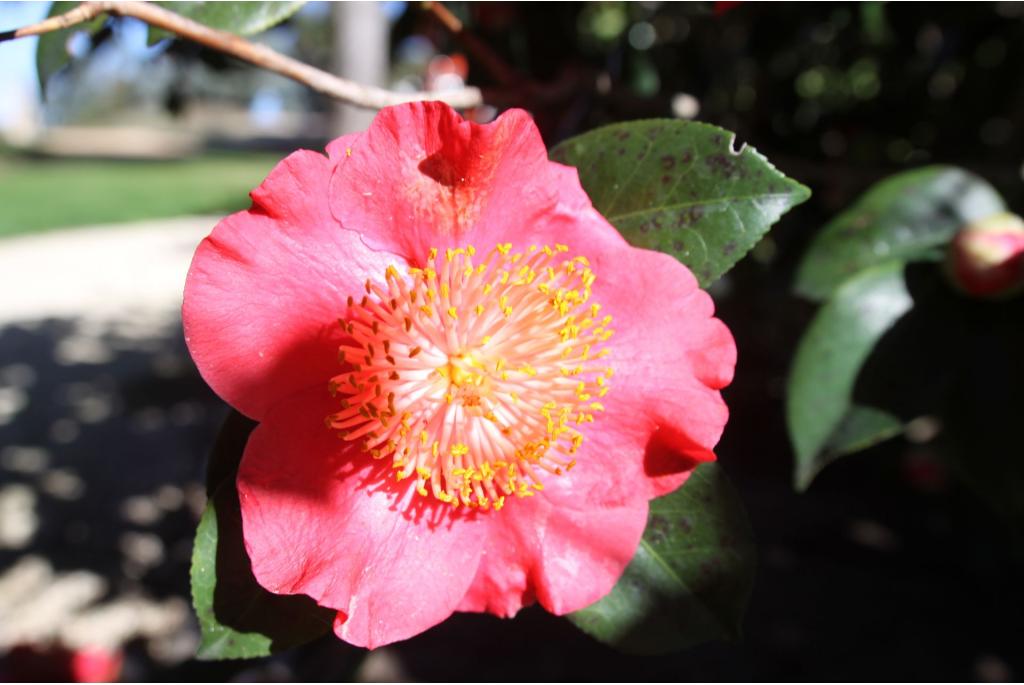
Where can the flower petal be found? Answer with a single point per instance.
(266, 288)
(564, 555)
(671, 358)
(321, 518)
(664, 413)
(423, 177)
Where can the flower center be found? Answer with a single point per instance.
(475, 379)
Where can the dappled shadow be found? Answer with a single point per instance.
(104, 428)
(109, 419)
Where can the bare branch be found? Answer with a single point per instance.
(87, 11)
(259, 55)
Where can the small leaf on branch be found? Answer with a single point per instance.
(52, 50)
(681, 187)
(909, 216)
(691, 577)
(241, 18)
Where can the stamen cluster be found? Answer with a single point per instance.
(475, 378)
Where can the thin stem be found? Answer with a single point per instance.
(261, 56)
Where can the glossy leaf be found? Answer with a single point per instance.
(907, 217)
(824, 420)
(681, 187)
(51, 50)
(691, 577)
(242, 18)
(237, 617)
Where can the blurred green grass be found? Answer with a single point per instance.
(38, 194)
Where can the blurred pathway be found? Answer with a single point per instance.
(103, 272)
(104, 428)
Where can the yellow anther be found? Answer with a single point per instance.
(501, 390)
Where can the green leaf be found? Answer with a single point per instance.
(241, 18)
(909, 216)
(824, 421)
(691, 577)
(51, 51)
(237, 617)
(680, 187)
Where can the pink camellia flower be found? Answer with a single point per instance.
(468, 385)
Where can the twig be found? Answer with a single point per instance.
(480, 51)
(321, 81)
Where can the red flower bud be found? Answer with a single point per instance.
(986, 258)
